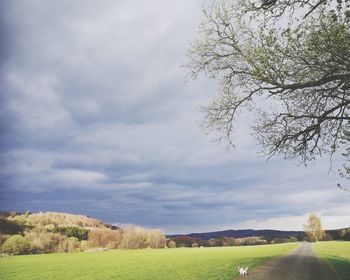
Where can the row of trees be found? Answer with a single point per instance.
(129, 238)
(313, 232)
(17, 238)
(186, 241)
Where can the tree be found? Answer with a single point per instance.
(105, 238)
(133, 238)
(155, 239)
(294, 76)
(313, 228)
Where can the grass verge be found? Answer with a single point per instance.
(337, 254)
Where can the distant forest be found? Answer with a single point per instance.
(51, 232)
(251, 237)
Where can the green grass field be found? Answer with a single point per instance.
(166, 264)
(337, 254)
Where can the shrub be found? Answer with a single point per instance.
(104, 237)
(17, 245)
(172, 244)
(280, 240)
(84, 245)
(67, 245)
(186, 241)
(42, 241)
(293, 239)
(195, 245)
(252, 240)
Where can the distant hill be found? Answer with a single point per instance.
(242, 233)
(54, 232)
(55, 219)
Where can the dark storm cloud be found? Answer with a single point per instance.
(97, 120)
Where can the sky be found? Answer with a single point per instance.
(99, 118)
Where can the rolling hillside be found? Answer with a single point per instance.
(242, 233)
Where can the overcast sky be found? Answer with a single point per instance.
(98, 118)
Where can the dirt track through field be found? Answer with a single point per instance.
(301, 264)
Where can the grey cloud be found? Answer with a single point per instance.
(98, 120)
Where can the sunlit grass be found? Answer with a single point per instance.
(337, 254)
(167, 264)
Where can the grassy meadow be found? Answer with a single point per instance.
(152, 264)
(337, 254)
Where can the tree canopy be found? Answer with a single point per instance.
(288, 62)
(313, 228)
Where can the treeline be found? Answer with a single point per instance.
(23, 234)
(337, 234)
(187, 241)
(27, 233)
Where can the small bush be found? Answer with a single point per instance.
(84, 245)
(172, 244)
(281, 240)
(16, 245)
(68, 245)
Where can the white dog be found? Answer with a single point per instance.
(243, 271)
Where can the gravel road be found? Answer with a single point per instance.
(300, 264)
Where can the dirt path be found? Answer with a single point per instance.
(301, 264)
